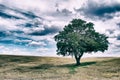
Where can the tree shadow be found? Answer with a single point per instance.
(17, 59)
(74, 65)
(40, 67)
(43, 66)
(88, 63)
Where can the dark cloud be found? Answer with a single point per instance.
(118, 37)
(64, 12)
(61, 13)
(23, 38)
(95, 10)
(10, 38)
(118, 46)
(111, 31)
(3, 34)
(28, 25)
(18, 32)
(23, 43)
(46, 31)
(27, 14)
(32, 23)
(15, 42)
(6, 15)
(3, 7)
(118, 24)
(6, 41)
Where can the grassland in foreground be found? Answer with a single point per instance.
(51, 68)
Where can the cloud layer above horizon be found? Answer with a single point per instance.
(27, 27)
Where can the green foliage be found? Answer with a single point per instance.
(79, 37)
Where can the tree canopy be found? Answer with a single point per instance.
(79, 37)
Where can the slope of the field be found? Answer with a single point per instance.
(51, 68)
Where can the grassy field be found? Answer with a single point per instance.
(51, 68)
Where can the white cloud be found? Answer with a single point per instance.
(12, 50)
(1, 47)
(102, 26)
(22, 41)
(46, 51)
(8, 24)
(34, 43)
(42, 50)
(71, 4)
(37, 5)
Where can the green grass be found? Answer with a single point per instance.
(53, 68)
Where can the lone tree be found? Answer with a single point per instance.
(79, 37)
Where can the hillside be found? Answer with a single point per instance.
(53, 68)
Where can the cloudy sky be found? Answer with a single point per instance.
(27, 27)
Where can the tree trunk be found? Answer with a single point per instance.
(77, 61)
(77, 58)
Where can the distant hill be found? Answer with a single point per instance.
(54, 68)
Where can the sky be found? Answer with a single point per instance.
(28, 27)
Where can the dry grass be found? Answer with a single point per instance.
(51, 68)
